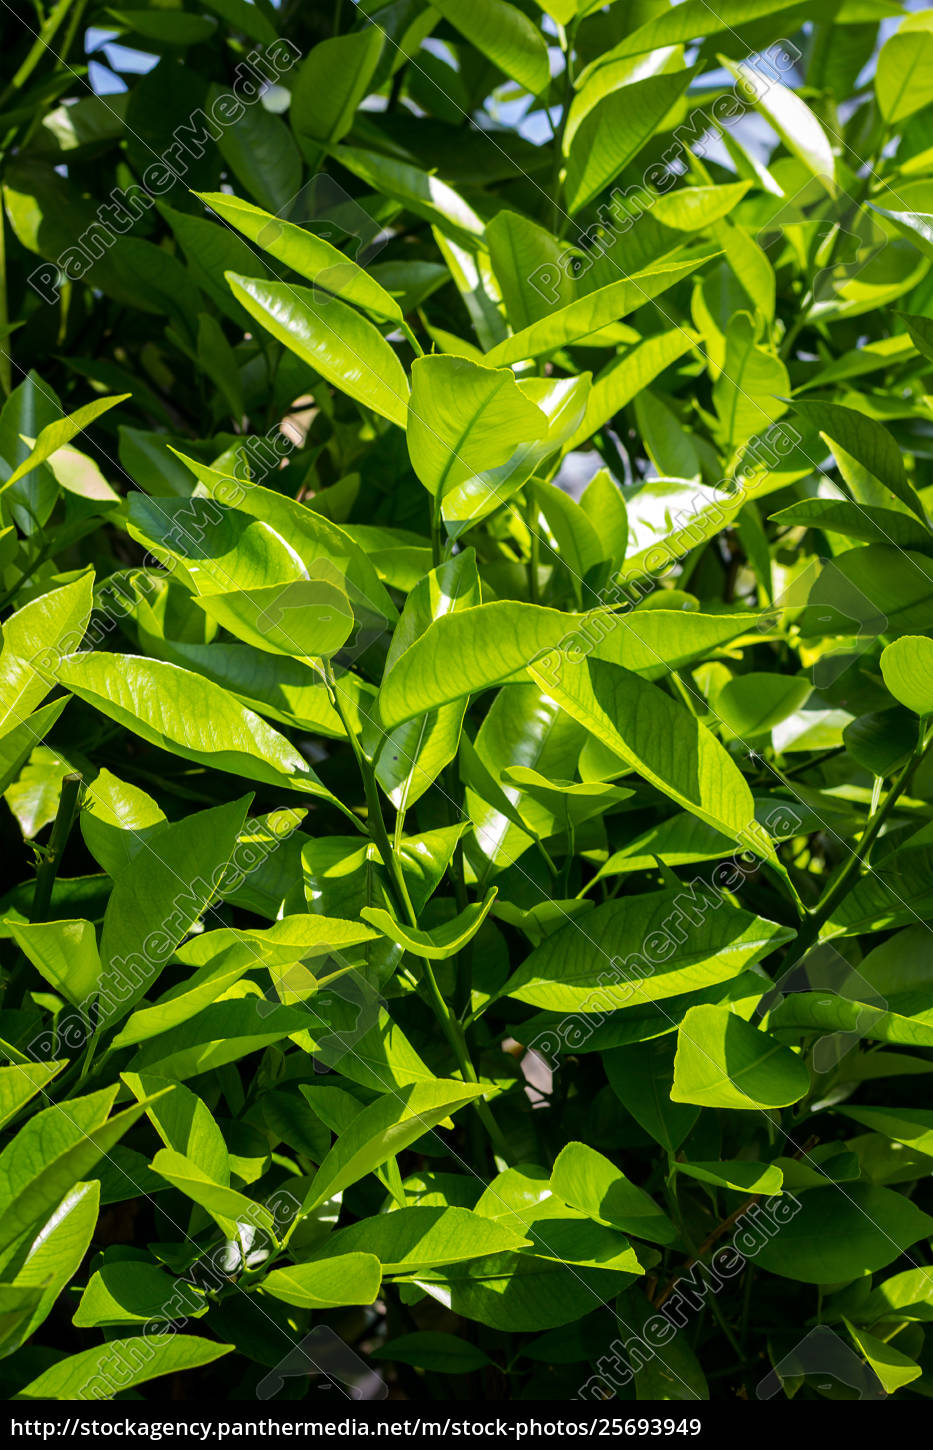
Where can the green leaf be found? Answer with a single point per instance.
(790, 116)
(749, 392)
(911, 1126)
(868, 442)
(131, 1291)
(643, 949)
(658, 737)
(53, 1258)
(308, 255)
(907, 667)
(493, 642)
(183, 1122)
(418, 191)
(520, 1292)
(641, 1074)
(410, 1239)
(181, 1003)
(753, 704)
(588, 1181)
(893, 1369)
(333, 79)
(625, 376)
(441, 941)
(20, 1083)
(410, 756)
(259, 151)
(607, 129)
(904, 73)
(56, 435)
(345, 348)
(225, 1205)
(882, 741)
(738, 1175)
(306, 618)
(522, 1198)
(65, 953)
(465, 420)
(857, 521)
(54, 1151)
(38, 635)
(188, 716)
(518, 250)
(835, 1237)
(347, 1279)
(219, 1034)
(669, 1370)
(588, 314)
(106, 1370)
(157, 899)
(505, 35)
(693, 20)
(383, 1129)
(723, 1062)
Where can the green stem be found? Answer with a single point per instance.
(456, 1037)
(6, 365)
(674, 1205)
(556, 188)
(411, 339)
(848, 875)
(375, 818)
(64, 819)
(437, 545)
(534, 561)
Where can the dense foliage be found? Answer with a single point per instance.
(467, 675)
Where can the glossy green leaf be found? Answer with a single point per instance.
(659, 738)
(384, 1129)
(189, 716)
(156, 900)
(305, 253)
(724, 1062)
(332, 81)
(33, 641)
(55, 435)
(440, 941)
(54, 1257)
(904, 72)
(504, 34)
(603, 137)
(865, 440)
(332, 338)
(643, 949)
(588, 314)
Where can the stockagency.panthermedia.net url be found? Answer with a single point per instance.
(450, 1427)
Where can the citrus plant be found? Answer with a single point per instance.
(465, 700)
